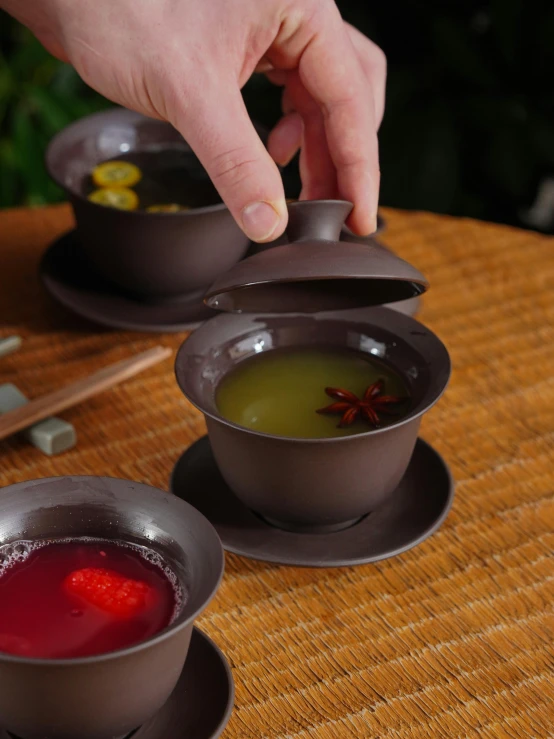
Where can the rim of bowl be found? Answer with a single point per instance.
(416, 412)
(160, 636)
(212, 294)
(117, 111)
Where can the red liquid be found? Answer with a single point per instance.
(47, 611)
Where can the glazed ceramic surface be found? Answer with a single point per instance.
(410, 306)
(150, 254)
(302, 484)
(201, 703)
(415, 509)
(71, 280)
(315, 271)
(110, 694)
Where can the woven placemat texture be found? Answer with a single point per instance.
(453, 639)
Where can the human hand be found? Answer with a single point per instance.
(185, 61)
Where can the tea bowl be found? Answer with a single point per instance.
(107, 695)
(313, 485)
(151, 255)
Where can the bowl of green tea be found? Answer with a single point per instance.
(148, 217)
(313, 419)
(312, 393)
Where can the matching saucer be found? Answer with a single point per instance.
(73, 282)
(415, 510)
(70, 279)
(201, 704)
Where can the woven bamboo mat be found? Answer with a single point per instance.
(453, 639)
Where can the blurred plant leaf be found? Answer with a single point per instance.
(54, 114)
(8, 174)
(29, 157)
(30, 60)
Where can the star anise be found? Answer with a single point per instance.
(368, 407)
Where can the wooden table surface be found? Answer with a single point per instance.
(452, 639)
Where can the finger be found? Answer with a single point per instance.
(374, 63)
(317, 170)
(263, 66)
(276, 76)
(52, 45)
(314, 188)
(285, 139)
(218, 129)
(330, 71)
(287, 105)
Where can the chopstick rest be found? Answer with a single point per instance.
(51, 436)
(76, 392)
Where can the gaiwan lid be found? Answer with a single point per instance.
(315, 271)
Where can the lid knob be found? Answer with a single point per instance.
(315, 271)
(316, 220)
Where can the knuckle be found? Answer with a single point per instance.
(231, 167)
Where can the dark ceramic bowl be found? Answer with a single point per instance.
(111, 694)
(154, 255)
(313, 484)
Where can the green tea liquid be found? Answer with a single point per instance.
(279, 391)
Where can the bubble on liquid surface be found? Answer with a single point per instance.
(19, 551)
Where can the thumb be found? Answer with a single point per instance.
(216, 125)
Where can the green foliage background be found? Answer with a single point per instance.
(38, 97)
(469, 127)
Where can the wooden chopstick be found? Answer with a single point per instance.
(9, 345)
(66, 397)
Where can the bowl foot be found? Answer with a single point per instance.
(413, 512)
(308, 528)
(182, 298)
(201, 704)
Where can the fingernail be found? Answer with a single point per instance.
(260, 221)
(285, 159)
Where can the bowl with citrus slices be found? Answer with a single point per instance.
(148, 217)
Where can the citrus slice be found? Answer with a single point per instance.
(166, 208)
(115, 197)
(116, 174)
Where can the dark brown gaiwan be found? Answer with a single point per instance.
(151, 255)
(108, 695)
(313, 484)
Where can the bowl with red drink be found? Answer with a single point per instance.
(100, 583)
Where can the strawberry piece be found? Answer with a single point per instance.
(108, 591)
